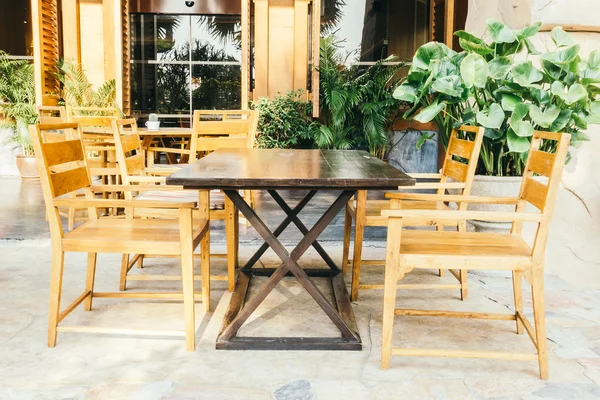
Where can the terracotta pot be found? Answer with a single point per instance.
(27, 167)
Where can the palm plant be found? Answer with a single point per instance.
(357, 103)
(77, 91)
(17, 101)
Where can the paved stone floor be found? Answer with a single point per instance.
(85, 366)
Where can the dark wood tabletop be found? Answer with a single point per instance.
(289, 169)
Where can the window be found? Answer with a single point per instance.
(371, 30)
(15, 30)
(182, 63)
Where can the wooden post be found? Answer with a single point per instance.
(449, 23)
(300, 44)
(71, 30)
(261, 48)
(316, 53)
(245, 53)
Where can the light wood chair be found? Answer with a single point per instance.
(63, 169)
(52, 114)
(75, 111)
(131, 165)
(457, 173)
(409, 249)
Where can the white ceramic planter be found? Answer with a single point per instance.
(494, 186)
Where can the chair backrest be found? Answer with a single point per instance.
(52, 114)
(546, 159)
(93, 112)
(62, 166)
(214, 129)
(130, 155)
(461, 157)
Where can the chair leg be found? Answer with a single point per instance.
(124, 267)
(205, 270)
(187, 274)
(392, 264)
(90, 278)
(56, 276)
(71, 219)
(231, 220)
(359, 230)
(441, 271)
(347, 233)
(140, 262)
(537, 294)
(517, 278)
(464, 287)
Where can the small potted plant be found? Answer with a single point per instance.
(18, 111)
(153, 124)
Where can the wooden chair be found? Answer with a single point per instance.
(457, 173)
(63, 169)
(74, 111)
(409, 249)
(131, 165)
(52, 114)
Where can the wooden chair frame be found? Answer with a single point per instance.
(131, 165)
(483, 251)
(63, 169)
(53, 118)
(461, 174)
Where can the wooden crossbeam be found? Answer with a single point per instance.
(462, 354)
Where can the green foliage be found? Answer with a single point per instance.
(497, 86)
(285, 122)
(357, 106)
(77, 91)
(17, 101)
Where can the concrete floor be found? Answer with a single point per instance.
(86, 366)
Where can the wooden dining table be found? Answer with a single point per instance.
(273, 170)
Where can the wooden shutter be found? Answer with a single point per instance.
(126, 57)
(44, 18)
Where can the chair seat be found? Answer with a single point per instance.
(463, 250)
(142, 236)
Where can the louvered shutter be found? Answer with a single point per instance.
(46, 49)
(126, 57)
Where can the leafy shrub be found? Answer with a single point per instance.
(285, 122)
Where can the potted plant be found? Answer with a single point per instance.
(508, 87)
(18, 111)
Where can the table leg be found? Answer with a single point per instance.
(340, 314)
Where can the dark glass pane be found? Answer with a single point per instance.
(15, 28)
(172, 35)
(216, 87)
(173, 89)
(219, 33)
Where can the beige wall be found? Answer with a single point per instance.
(92, 44)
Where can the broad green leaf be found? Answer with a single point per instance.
(509, 101)
(500, 33)
(516, 144)
(518, 125)
(574, 94)
(472, 43)
(443, 67)
(492, 133)
(470, 37)
(449, 85)
(474, 70)
(595, 107)
(491, 118)
(429, 52)
(590, 76)
(562, 56)
(540, 95)
(579, 121)
(561, 121)
(406, 92)
(594, 59)
(428, 113)
(529, 31)
(499, 67)
(561, 38)
(424, 137)
(554, 71)
(417, 75)
(525, 74)
(544, 118)
(531, 47)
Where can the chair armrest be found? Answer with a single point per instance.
(162, 171)
(443, 215)
(107, 203)
(434, 185)
(452, 198)
(134, 188)
(425, 176)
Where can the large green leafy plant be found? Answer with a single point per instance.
(285, 122)
(17, 101)
(357, 106)
(506, 86)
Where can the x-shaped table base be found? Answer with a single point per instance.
(240, 308)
